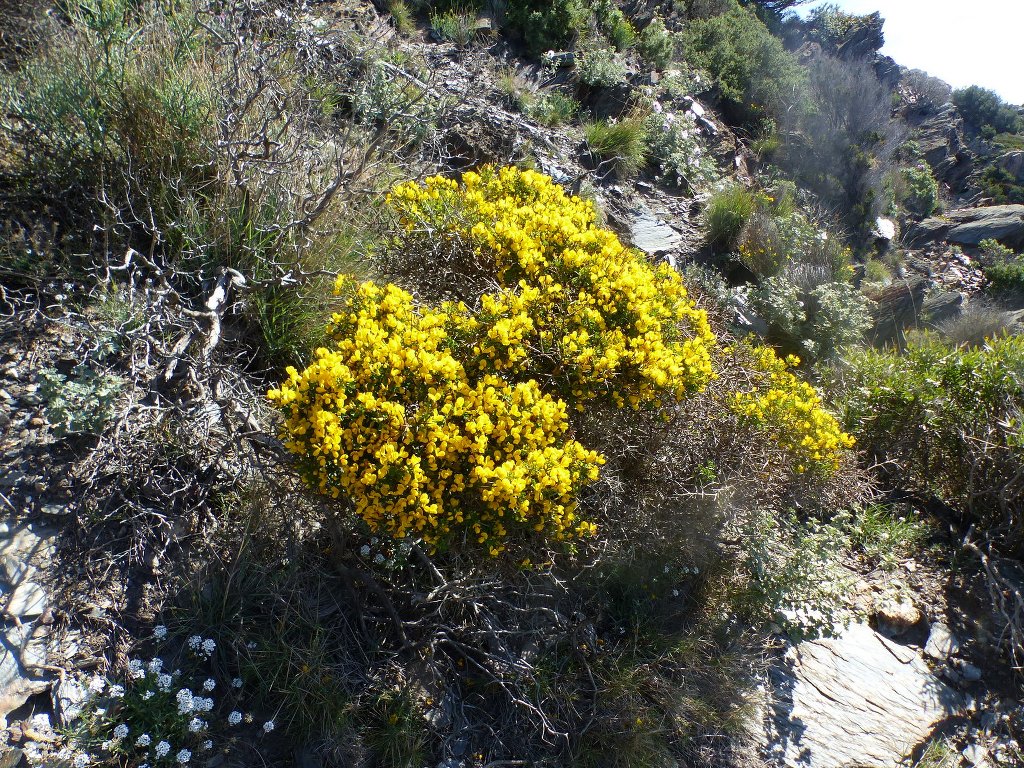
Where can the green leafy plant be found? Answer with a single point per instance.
(82, 403)
(755, 73)
(921, 190)
(1003, 268)
(552, 108)
(679, 152)
(455, 25)
(600, 67)
(949, 419)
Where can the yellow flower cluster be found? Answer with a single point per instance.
(391, 419)
(577, 311)
(790, 412)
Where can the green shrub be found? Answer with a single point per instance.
(949, 418)
(624, 144)
(600, 67)
(1003, 268)
(727, 213)
(921, 190)
(755, 74)
(82, 403)
(1000, 185)
(552, 109)
(657, 46)
(816, 323)
(455, 26)
(679, 153)
(613, 23)
(545, 25)
(983, 108)
(876, 272)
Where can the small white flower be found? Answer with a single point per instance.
(378, 558)
(194, 642)
(675, 593)
(184, 756)
(207, 746)
(160, 632)
(116, 691)
(185, 701)
(144, 765)
(155, 666)
(81, 760)
(96, 685)
(235, 718)
(251, 645)
(209, 646)
(121, 731)
(236, 683)
(196, 724)
(202, 705)
(210, 684)
(143, 740)
(136, 669)
(365, 550)
(268, 726)
(161, 749)
(164, 682)
(147, 696)
(106, 746)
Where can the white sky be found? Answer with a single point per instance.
(964, 42)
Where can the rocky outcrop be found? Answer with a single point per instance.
(863, 38)
(1013, 164)
(969, 226)
(853, 701)
(942, 144)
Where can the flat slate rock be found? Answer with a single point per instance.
(652, 235)
(853, 701)
(969, 226)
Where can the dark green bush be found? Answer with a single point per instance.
(920, 190)
(981, 107)
(546, 25)
(1000, 185)
(755, 75)
(950, 421)
(1003, 268)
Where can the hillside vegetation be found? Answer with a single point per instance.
(380, 432)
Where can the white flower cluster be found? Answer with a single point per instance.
(203, 647)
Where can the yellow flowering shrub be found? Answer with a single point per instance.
(573, 308)
(450, 422)
(390, 418)
(790, 411)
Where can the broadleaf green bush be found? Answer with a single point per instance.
(950, 419)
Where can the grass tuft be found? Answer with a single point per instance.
(623, 144)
